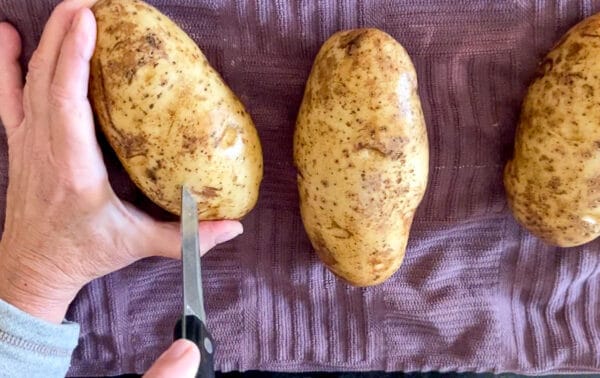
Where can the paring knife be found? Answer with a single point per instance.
(192, 325)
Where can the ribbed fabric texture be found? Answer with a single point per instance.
(475, 293)
(32, 347)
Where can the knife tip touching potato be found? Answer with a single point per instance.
(169, 116)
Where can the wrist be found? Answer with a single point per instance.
(32, 290)
(23, 295)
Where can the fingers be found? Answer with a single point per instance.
(165, 238)
(180, 360)
(11, 84)
(44, 59)
(73, 141)
(70, 82)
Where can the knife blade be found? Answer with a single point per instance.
(192, 325)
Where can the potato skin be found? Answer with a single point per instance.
(168, 114)
(553, 180)
(361, 150)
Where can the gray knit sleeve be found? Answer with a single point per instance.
(30, 347)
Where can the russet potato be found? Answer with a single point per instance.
(361, 150)
(553, 180)
(168, 114)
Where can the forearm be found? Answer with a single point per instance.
(32, 347)
(34, 339)
(28, 285)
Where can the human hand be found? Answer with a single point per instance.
(180, 360)
(64, 224)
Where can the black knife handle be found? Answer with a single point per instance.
(196, 332)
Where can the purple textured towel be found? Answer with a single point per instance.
(476, 292)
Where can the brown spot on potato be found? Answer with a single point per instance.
(125, 59)
(391, 147)
(151, 174)
(208, 192)
(190, 143)
(322, 251)
(131, 145)
(554, 183)
(573, 50)
(589, 31)
(545, 67)
(360, 146)
(569, 79)
(352, 40)
(153, 41)
(338, 231)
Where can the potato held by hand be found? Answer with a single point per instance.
(168, 114)
(362, 155)
(553, 180)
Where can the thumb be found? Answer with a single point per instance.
(180, 360)
(164, 239)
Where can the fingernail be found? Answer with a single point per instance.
(179, 349)
(226, 236)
